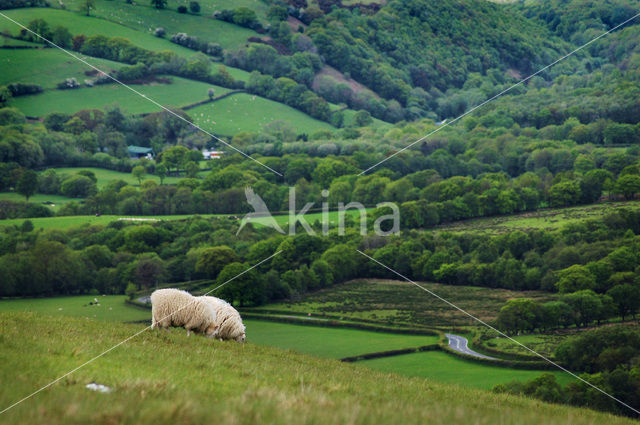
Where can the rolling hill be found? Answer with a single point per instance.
(170, 377)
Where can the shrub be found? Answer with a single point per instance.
(194, 7)
(69, 83)
(160, 32)
(182, 9)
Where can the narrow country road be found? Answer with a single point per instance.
(460, 344)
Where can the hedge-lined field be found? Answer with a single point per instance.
(246, 112)
(47, 68)
(89, 25)
(181, 92)
(443, 367)
(144, 17)
(330, 342)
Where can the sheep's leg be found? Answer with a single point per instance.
(188, 331)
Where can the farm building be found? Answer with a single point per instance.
(208, 154)
(140, 152)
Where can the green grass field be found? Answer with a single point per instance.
(245, 112)
(171, 378)
(181, 92)
(66, 222)
(112, 307)
(7, 41)
(57, 200)
(105, 176)
(329, 342)
(143, 17)
(393, 302)
(88, 25)
(47, 68)
(443, 367)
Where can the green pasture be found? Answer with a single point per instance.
(105, 176)
(55, 200)
(47, 68)
(8, 41)
(181, 92)
(329, 342)
(66, 222)
(109, 308)
(142, 16)
(245, 112)
(160, 377)
(442, 367)
(88, 25)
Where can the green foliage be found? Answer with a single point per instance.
(213, 260)
(159, 4)
(139, 172)
(27, 184)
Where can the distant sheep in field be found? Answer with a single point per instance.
(173, 307)
(228, 320)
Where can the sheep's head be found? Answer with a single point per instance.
(243, 336)
(211, 331)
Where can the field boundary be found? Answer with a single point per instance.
(339, 324)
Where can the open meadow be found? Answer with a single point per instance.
(444, 367)
(142, 16)
(47, 68)
(89, 25)
(179, 93)
(246, 112)
(320, 341)
(169, 377)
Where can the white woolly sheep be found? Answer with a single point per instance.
(228, 320)
(173, 307)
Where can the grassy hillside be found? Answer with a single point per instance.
(551, 218)
(245, 112)
(181, 92)
(88, 25)
(111, 308)
(162, 378)
(47, 68)
(142, 16)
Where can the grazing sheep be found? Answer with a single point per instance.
(173, 307)
(228, 320)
